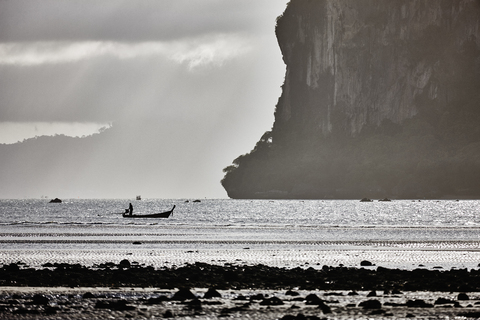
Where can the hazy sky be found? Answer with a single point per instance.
(177, 88)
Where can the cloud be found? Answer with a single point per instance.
(189, 85)
(126, 20)
(211, 50)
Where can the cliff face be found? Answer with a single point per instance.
(372, 60)
(363, 75)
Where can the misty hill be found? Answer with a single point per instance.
(380, 99)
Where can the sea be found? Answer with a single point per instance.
(406, 234)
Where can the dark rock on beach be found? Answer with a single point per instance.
(273, 301)
(463, 296)
(40, 299)
(292, 293)
(212, 293)
(183, 294)
(313, 299)
(202, 275)
(114, 305)
(88, 295)
(124, 264)
(370, 304)
(418, 303)
(56, 200)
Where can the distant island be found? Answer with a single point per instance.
(380, 99)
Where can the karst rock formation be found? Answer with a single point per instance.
(380, 99)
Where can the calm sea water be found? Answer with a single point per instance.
(36, 229)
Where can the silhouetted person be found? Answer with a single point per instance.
(130, 209)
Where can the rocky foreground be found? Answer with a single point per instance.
(128, 290)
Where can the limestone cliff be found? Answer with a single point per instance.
(378, 96)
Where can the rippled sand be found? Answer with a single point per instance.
(389, 257)
(68, 304)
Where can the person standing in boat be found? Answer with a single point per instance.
(130, 209)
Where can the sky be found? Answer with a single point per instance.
(169, 91)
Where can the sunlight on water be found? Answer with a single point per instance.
(285, 225)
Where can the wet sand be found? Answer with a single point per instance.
(406, 257)
(393, 282)
(204, 291)
(149, 303)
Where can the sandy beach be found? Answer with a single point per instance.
(148, 303)
(207, 291)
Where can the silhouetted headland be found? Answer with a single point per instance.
(380, 99)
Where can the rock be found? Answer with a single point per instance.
(12, 267)
(56, 200)
(366, 263)
(372, 294)
(183, 294)
(441, 301)
(195, 304)
(325, 309)
(273, 301)
(168, 314)
(292, 293)
(473, 314)
(418, 303)
(212, 293)
(366, 200)
(333, 294)
(463, 296)
(118, 305)
(88, 295)
(40, 299)
(336, 91)
(313, 299)
(51, 310)
(124, 264)
(370, 304)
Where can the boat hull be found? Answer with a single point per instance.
(165, 214)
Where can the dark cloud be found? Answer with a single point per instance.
(125, 20)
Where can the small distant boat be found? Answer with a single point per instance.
(165, 214)
(139, 197)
